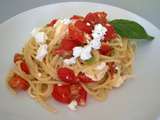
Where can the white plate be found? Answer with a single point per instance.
(138, 99)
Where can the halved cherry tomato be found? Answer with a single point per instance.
(112, 69)
(18, 57)
(76, 35)
(52, 23)
(62, 93)
(105, 49)
(67, 75)
(84, 26)
(111, 33)
(82, 97)
(24, 67)
(68, 44)
(83, 78)
(18, 83)
(96, 17)
(75, 17)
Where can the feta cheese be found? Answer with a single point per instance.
(66, 21)
(101, 66)
(86, 53)
(41, 52)
(77, 51)
(73, 105)
(40, 37)
(70, 61)
(99, 32)
(95, 44)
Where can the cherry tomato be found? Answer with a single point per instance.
(76, 35)
(84, 26)
(67, 75)
(18, 57)
(62, 93)
(82, 97)
(105, 49)
(24, 67)
(111, 33)
(96, 17)
(18, 83)
(68, 44)
(52, 23)
(83, 78)
(76, 17)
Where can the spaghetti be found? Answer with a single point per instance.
(104, 70)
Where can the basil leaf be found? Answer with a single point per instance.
(90, 61)
(130, 29)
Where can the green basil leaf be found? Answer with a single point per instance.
(130, 29)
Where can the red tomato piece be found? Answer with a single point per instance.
(112, 69)
(68, 44)
(18, 83)
(84, 26)
(62, 93)
(52, 23)
(105, 49)
(67, 75)
(82, 97)
(24, 67)
(18, 57)
(83, 78)
(76, 17)
(58, 51)
(96, 17)
(76, 35)
(111, 33)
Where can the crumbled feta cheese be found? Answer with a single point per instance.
(86, 53)
(95, 44)
(70, 61)
(66, 21)
(40, 37)
(77, 51)
(99, 32)
(101, 66)
(73, 105)
(41, 52)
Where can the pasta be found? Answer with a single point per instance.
(42, 76)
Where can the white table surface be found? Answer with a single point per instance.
(149, 9)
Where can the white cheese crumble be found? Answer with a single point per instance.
(86, 53)
(73, 105)
(40, 37)
(70, 61)
(95, 44)
(66, 21)
(41, 52)
(77, 51)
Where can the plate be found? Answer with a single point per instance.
(137, 99)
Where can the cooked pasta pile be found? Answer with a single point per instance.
(106, 71)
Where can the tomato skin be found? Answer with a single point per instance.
(24, 67)
(62, 93)
(105, 49)
(68, 44)
(82, 98)
(112, 69)
(67, 75)
(18, 83)
(111, 33)
(76, 17)
(76, 35)
(17, 57)
(96, 17)
(81, 25)
(83, 78)
(52, 22)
